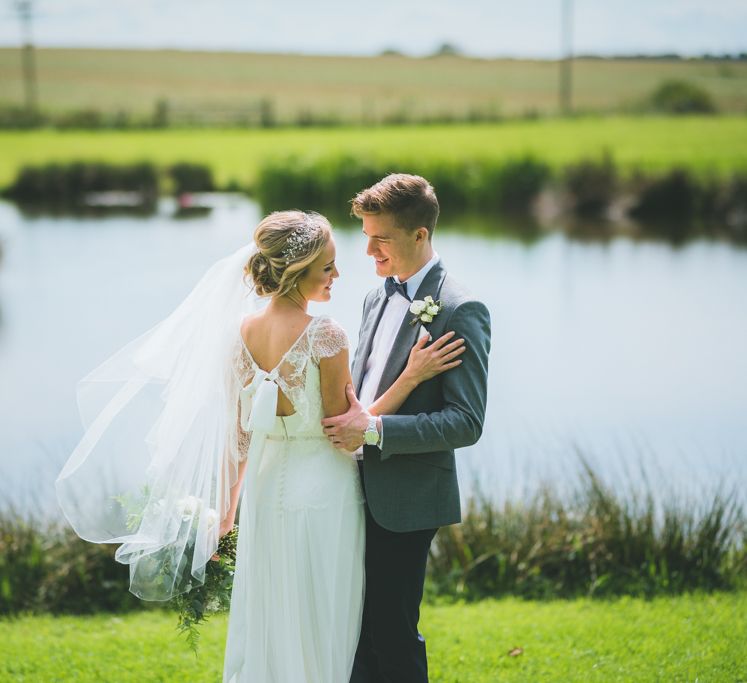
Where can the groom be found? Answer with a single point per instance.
(407, 460)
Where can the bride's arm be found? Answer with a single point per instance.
(334, 373)
(235, 490)
(229, 520)
(423, 363)
(243, 439)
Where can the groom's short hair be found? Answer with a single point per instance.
(409, 199)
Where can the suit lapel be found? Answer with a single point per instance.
(408, 334)
(370, 323)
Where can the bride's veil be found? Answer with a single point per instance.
(154, 467)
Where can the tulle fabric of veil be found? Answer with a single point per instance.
(159, 454)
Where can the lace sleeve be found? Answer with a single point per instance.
(328, 340)
(243, 373)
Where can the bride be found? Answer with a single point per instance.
(216, 411)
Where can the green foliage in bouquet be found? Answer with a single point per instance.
(194, 606)
(134, 506)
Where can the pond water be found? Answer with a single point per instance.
(632, 353)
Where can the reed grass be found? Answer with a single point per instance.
(67, 184)
(470, 185)
(673, 204)
(594, 542)
(46, 567)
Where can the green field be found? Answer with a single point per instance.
(687, 638)
(354, 89)
(703, 144)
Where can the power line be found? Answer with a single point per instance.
(24, 10)
(566, 61)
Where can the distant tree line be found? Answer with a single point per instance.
(671, 56)
(451, 50)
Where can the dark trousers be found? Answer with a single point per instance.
(390, 648)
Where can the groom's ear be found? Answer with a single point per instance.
(421, 234)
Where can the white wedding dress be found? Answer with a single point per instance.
(297, 600)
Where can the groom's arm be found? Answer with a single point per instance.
(460, 422)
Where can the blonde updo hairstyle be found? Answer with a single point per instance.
(287, 243)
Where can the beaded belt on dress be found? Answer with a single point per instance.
(294, 437)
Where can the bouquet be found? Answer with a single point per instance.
(198, 602)
(194, 606)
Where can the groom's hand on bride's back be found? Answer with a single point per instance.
(346, 430)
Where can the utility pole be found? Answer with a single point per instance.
(24, 9)
(566, 61)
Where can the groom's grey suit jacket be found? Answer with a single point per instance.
(412, 483)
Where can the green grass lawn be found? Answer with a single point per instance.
(703, 144)
(688, 638)
(349, 88)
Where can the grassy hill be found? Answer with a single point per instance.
(702, 144)
(351, 89)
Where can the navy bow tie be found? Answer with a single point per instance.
(391, 286)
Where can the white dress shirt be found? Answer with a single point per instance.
(381, 346)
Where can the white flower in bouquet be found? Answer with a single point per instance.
(213, 605)
(189, 506)
(211, 517)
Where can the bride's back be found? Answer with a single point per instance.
(268, 336)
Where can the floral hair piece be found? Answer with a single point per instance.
(298, 241)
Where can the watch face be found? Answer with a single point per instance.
(371, 438)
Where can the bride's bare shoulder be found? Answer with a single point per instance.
(248, 321)
(274, 330)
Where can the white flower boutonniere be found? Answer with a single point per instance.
(425, 310)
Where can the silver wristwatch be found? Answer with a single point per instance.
(371, 435)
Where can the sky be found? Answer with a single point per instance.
(482, 28)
